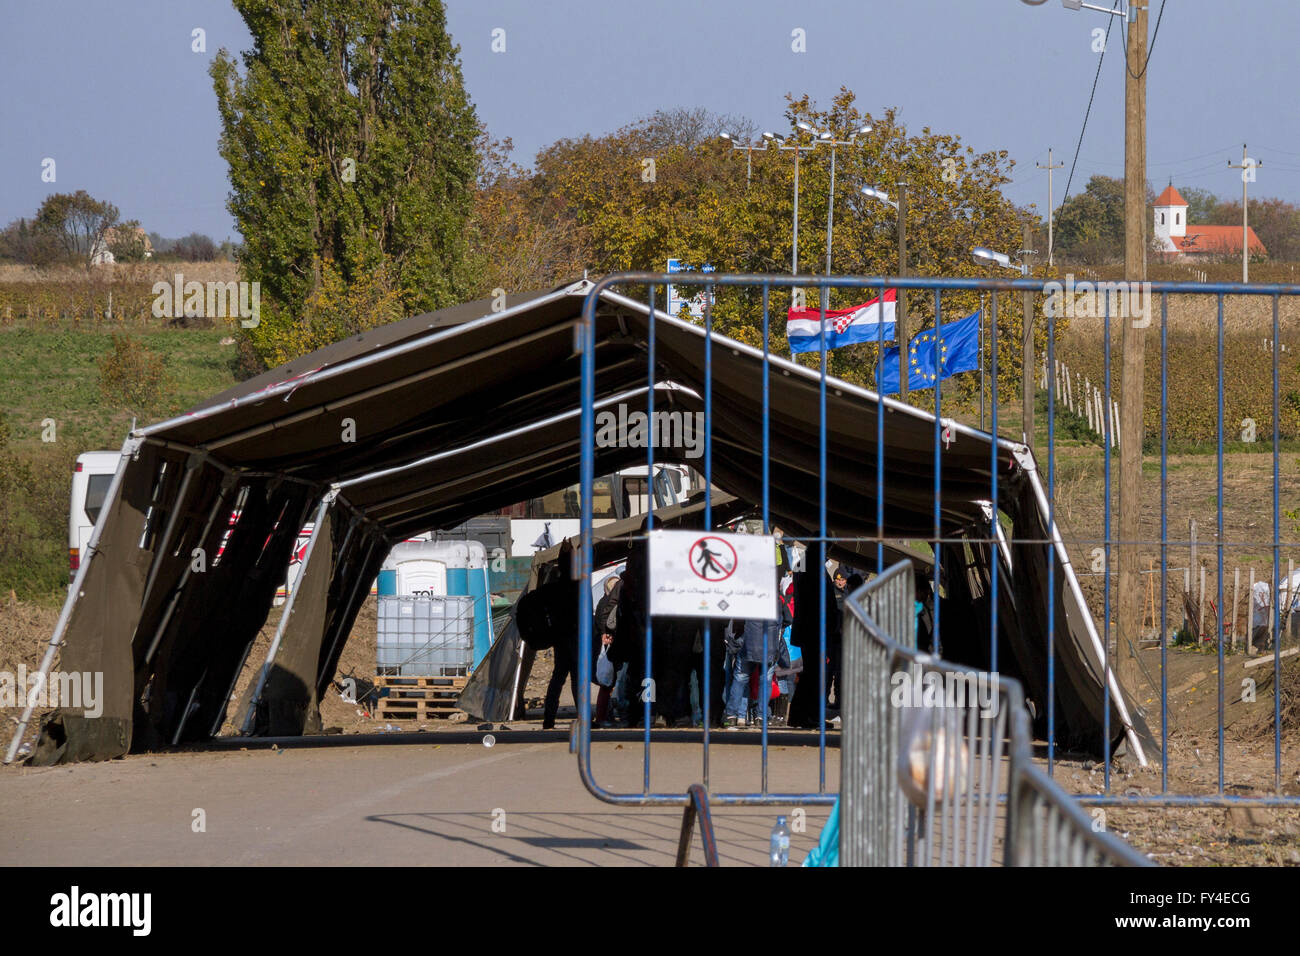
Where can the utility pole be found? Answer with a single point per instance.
(900, 311)
(1247, 167)
(1027, 344)
(1051, 208)
(1134, 342)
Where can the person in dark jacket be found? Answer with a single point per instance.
(805, 634)
(565, 608)
(603, 629)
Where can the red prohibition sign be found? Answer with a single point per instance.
(711, 562)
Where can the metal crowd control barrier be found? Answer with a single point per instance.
(931, 752)
(1029, 791)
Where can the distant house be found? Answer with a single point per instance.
(101, 252)
(1179, 239)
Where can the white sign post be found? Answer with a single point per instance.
(708, 574)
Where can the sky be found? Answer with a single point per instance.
(113, 92)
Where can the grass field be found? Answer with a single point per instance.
(53, 373)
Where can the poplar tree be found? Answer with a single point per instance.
(350, 141)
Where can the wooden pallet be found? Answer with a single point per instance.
(418, 698)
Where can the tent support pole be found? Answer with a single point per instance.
(227, 483)
(129, 449)
(356, 597)
(265, 672)
(412, 379)
(193, 463)
(1026, 461)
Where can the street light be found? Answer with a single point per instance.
(988, 257)
(749, 154)
(880, 194)
(900, 310)
(828, 138)
(1123, 11)
(775, 138)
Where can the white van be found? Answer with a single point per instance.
(91, 478)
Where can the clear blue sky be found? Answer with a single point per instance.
(112, 92)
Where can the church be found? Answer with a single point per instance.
(1176, 238)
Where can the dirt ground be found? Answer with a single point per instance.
(1209, 836)
(1172, 836)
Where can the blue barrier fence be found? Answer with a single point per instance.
(764, 292)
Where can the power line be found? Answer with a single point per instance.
(1150, 50)
(1169, 162)
(1086, 113)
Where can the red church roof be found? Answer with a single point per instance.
(1217, 240)
(1170, 197)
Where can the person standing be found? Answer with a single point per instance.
(605, 626)
(563, 604)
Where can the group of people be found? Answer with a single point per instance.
(744, 668)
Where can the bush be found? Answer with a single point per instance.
(133, 377)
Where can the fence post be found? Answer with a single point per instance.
(1250, 615)
(1200, 606)
(1236, 590)
(1290, 588)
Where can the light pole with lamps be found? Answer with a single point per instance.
(779, 139)
(827, 138)
(900, 311)
(749, 154)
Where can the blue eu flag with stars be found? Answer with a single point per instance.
(935, 354)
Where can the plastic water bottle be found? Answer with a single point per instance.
(780, 843)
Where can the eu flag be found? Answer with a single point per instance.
(935, 354)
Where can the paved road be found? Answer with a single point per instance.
(389, 802)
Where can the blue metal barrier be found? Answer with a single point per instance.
(995, 540)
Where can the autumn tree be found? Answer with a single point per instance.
(669, 186)
(350, 141)
(76, 223)
(1275, 221)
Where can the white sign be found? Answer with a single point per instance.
(708, 574)
(695, 296)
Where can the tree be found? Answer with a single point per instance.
(1275, 221)
(667, 185)
(1201, 204)
(350, 140)
(126, 241)
(1090, 224)
(195, 247)
(77, 222)
(25, 242)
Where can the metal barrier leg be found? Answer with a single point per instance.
(697, 807)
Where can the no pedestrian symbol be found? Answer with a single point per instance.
(713, 559)
(718, 574)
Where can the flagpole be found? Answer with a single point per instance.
(982, 362)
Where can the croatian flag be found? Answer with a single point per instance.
(867, 322)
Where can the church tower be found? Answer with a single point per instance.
(1170, 215)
